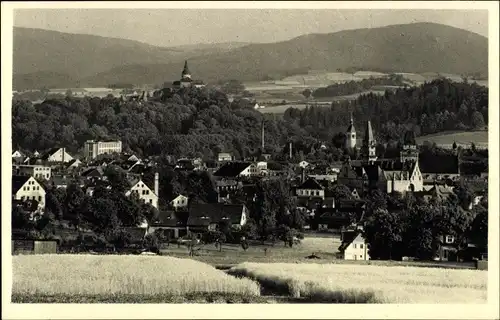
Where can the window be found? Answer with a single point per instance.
(354, 245)
(47, 176)
(27, 188)
(151, 201)
(22, 198)
(361, 256)
(361, 246)
(449, 239)
(39, 198)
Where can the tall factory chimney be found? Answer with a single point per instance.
(262, 136)
(157, 183)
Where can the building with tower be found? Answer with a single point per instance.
(350, 136)
(369, 144)
(393, 175)
(186, 81)
(410, 150)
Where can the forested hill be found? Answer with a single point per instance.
(202, 122)
(98, 61)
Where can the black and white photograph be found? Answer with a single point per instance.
(252, 155)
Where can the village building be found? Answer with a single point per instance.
(354, 246)
(179, 202)
(186, 81)
(39, 171)
(211, 216)
(350, 136)
(94, 148)
(237, 170)
(310, 189)
(57, 155)
(17, 154)
(224, 156)
(172, 224)
(27, 188)
(143, 191)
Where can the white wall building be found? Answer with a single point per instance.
(94, 148)
(27, 188)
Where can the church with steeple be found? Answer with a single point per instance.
(186, 81)
(389, 175)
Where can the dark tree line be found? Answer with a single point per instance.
(398, 227)
(351, 87)
(202, 122)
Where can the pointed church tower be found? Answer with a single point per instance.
(350, 135)
(369, 144)
(410, 150)
(185, 72)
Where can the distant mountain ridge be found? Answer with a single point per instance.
(98, 61)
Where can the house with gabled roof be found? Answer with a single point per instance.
(17, 154)
(354, 246)
(57, 155)
(210, 216)
(145, 193)
(26, 188)
(172, 222)
(73, 164)
(310, 189)
(236, 170)
(180, 202)
(93, 173)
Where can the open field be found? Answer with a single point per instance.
(464, 138)
(324, 247)
(132, 277)
(343, 283)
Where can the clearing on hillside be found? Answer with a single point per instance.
(464, 138)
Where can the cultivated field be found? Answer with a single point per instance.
(446, 139)
(344, 283)
(96, 277)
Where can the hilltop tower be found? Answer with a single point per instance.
(350, 135)
(369, 144)
(185, 72)
(410, 150)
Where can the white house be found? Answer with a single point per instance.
(354, 246)
(179, 202)
(57, 155)
(38, 171)
(145, 193)
(17, 154)
(27, 188)
(224, 156)
(303, 164)
(310, 189)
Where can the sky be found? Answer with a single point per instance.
(173, 27)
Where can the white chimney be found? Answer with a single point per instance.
(157, 182)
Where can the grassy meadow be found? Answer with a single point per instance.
(345, 283)
(446, 139)
(83, 278)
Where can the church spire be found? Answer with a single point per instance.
(185, 71)
(369, 143)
